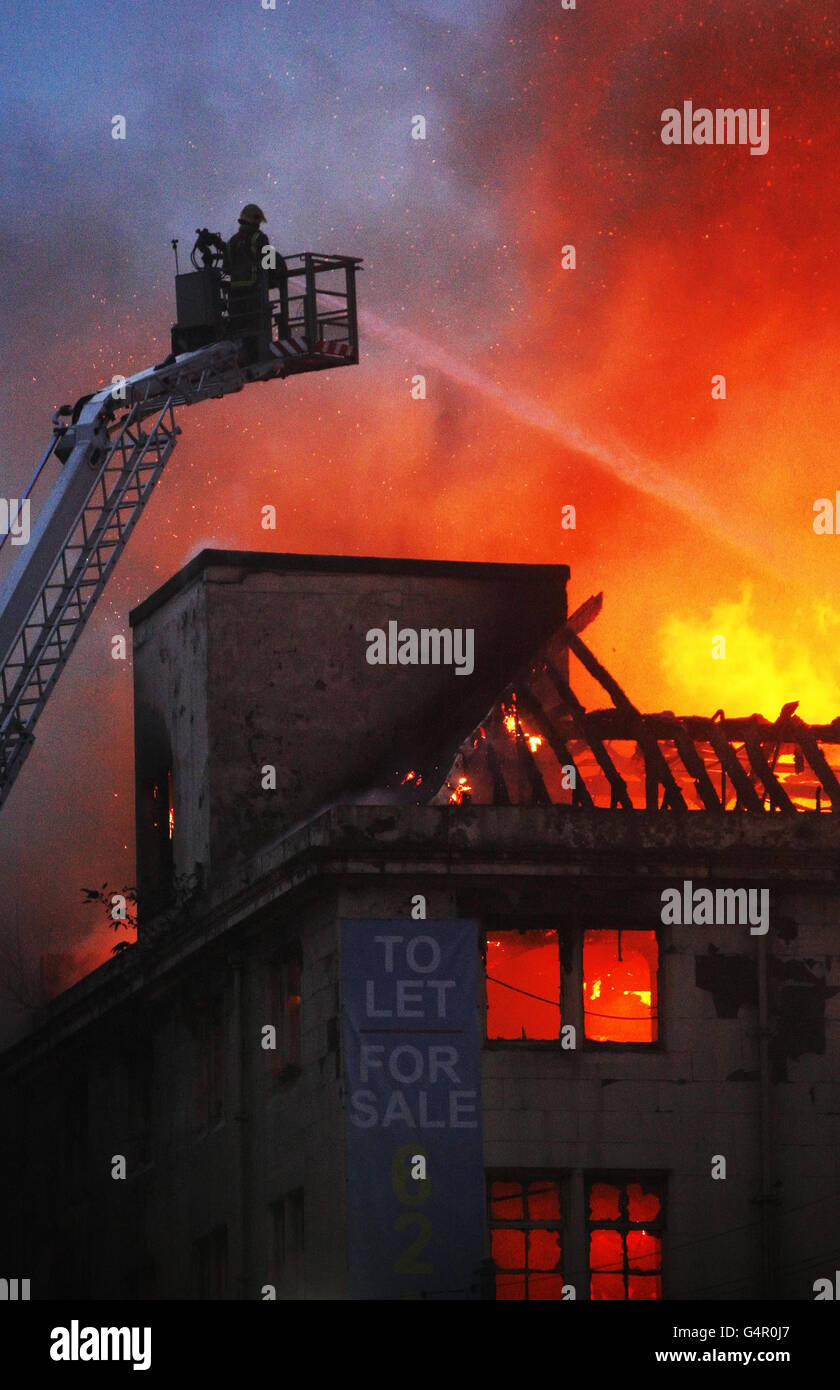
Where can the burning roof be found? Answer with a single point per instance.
(539, 745)
(270, 687)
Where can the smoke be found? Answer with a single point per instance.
(625, 465)
(590, 385)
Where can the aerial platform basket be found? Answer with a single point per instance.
(308, 311)
(113, 445)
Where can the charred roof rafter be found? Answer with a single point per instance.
(747, 764)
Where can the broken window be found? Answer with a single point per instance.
(523, 984)
(620, 994)
(625, 1244)
(526, 1243)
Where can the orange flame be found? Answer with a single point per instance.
(458, 792)
(512, 721)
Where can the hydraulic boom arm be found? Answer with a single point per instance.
(113, 453)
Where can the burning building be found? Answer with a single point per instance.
(412, 1011)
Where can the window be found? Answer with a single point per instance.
(285, 985)
(523, 985)
(210, 1264)
(625, 1247)
(525, 981)
(620, 996)
(287, 1242)
(210, 1061)
(526, 1237)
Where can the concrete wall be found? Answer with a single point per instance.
(665, 1110)
(247, 661)
(171, 731)
(668, 1109)
(85, 1234)
(296, 1132)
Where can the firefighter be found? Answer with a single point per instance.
(248, 304)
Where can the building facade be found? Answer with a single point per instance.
(656, 1037)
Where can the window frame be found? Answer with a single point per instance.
(525, 1176)
(622, 1178)
(610, 1044)
(570, 941)
(549, 1044)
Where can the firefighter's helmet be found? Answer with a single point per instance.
(252, 213)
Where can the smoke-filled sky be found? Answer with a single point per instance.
(546, 386)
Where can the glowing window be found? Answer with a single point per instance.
(625, 1244)
(523, 984)
(526, 1238)
(620, 997)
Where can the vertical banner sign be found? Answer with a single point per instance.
(412, 1069)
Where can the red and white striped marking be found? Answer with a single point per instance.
(296, 347)
(292, 347)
